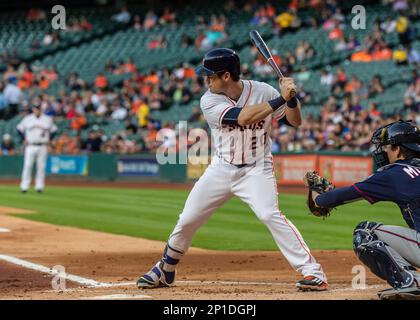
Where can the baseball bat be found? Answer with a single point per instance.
(262, 47)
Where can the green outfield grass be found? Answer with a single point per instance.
(152, 214)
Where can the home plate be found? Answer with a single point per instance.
(4, 230)
(119, 297)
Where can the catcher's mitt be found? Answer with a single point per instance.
(317, 184)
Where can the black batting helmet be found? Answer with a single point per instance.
(399, 133)
(220, 60)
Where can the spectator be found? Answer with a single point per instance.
(410, 105)
(341, 44)
(284, 20)
(150, 20)
(303, 95)
(95, 140)
(413, 55)
(125, 67)
(130, 127)
(400, 55)
(400, 5)
(303, 75)
(181, 95)
(388, 25)
(137, 25)
(157, 42)
(168, 17)
(374, 113)
(74, 82)
(413, 90)
(124, 16)
(335, 33)
(352, 43)
(50, 38)
(35, 15)
(361, 56)
(3, 104)
(101, 82)
(375, 86)
(381, 52)
(327, 78)
(13, 96)
(85, 25)
(340, 80)
(143, 115)
(78, 122)
(402, 27)
(7, 146)
(66, 144)
(118, 111)
(300, 52)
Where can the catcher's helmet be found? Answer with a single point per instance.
(220, 60)
(399, 133)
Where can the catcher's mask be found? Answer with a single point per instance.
(399, 133)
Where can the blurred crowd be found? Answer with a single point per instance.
(343, 124)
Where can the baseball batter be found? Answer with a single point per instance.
(36, 129)
(239, 113)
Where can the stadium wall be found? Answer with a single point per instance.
(289, 168)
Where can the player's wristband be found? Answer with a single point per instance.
(276, 103)
(292, 103)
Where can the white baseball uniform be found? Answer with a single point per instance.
(37, 132)
(236, 171)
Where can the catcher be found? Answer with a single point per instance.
(391, 252)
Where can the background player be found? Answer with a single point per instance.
(391, 252)
(240, 113)
(36, 129)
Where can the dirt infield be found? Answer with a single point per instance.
(114, 262)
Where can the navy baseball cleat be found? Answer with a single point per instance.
(157, 277)
(311, 283)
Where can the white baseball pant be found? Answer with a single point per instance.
(219, 183)
(39, 154)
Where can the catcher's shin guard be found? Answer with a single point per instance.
(376, 255)
(163, 273)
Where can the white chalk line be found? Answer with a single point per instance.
(43, 269)
(96, 284)
(4, 230)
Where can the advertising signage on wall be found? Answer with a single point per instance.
(340, 170)
(68, 165)
(137, 167)
(290, 169)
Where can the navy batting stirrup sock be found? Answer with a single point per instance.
(163, 273)
(170, 259)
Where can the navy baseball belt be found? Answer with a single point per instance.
(38, 144)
